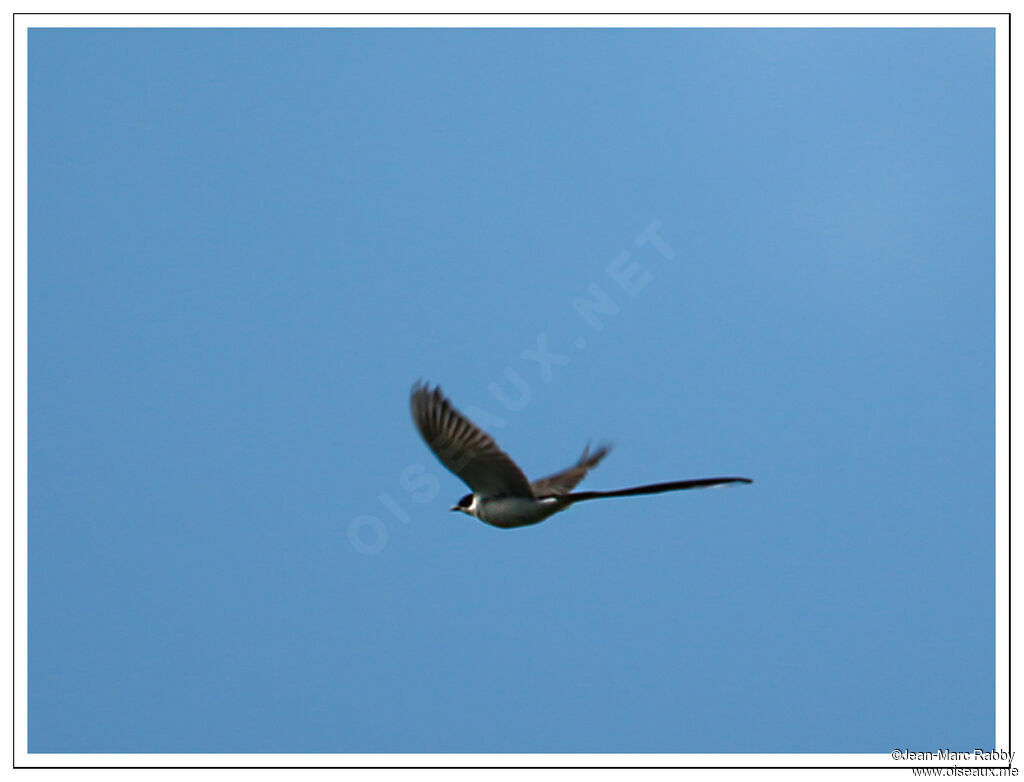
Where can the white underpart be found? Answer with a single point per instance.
(513, 511)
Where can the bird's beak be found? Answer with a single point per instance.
(454, 507)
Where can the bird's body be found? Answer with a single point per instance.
(502, 496)
(514, 511)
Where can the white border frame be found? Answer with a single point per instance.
(21, 22)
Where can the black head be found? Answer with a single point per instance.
(464, 504)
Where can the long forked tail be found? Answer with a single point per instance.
(656, 488)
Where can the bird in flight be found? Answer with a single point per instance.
(502, 496)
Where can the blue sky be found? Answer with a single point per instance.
(245, 246)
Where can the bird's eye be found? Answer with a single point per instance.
(466, 501)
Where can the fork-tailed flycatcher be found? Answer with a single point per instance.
(502, 496)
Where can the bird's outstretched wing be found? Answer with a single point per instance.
(464, 448)
(565, 481)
